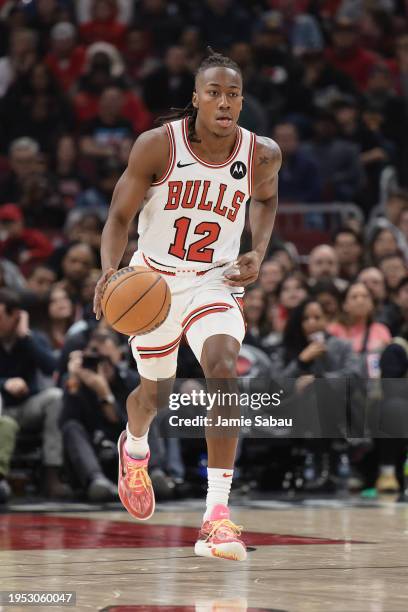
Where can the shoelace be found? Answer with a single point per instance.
(226, 525)
(138, 476)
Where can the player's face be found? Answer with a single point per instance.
(218, 98)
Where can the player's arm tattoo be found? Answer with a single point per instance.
(264, 159)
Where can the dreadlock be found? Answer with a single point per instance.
(213, 60)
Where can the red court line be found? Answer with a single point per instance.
(50, 532)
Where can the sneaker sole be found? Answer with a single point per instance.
(124, 498)
(231, 551)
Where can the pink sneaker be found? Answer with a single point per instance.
(134, 484)
(219, 537)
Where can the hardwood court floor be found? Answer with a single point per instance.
(316, 557)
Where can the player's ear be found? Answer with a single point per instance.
(195, 99)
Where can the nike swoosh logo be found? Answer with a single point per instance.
(180, 165)
(227, 475)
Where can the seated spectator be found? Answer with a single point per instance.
(349, 249)
(36, 107)
(83, 225)
(169, 85)
(394, 269)
(109, 134)
(23, 246)
(376, 150)
(40, 280)
(395, 313)
(23, 354)
(381, 92)
(66, 59)
(323, 265)
(270, 276)
(309, 363)
(402, 223)
(329, 298)
(162, 21)
(94, 413)
(291, 292)
(348, 55)
(368, 338)
(192, 43)
(310, 351)
(279, 74)
(55, 318)
(24, 158)
(401, 67)
(21, 58)
(324, 82)
(287, 256)
(11, 277)
(299, 176)
(83, 10)
(138, 55)
(75, 266)
(374, 280)
(69, 178)
(222, 23)
(98, 197)
(381, 243)
(103, 24)
(254, 307)
(395, 205)
(339, 166)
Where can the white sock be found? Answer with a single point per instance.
(387, 470)
(219, 486)
(136, 447)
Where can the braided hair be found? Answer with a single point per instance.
(213, 60)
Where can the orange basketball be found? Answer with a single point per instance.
(136, 300)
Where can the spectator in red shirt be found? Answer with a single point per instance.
(104, 25)
(19, 244)
(348, 55)
(65, 60)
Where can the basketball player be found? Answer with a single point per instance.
(191, 180)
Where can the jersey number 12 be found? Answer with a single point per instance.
(198, 250)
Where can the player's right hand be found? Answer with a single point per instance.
(99, 291)
(17, 387)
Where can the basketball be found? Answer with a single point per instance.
(136, 300)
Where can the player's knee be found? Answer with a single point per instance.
(222, 366)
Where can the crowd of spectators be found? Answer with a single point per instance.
(79, 81)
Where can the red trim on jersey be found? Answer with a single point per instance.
(172, 156)
(157, 269)
(234, 153)
(251, 163)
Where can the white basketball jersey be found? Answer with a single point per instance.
(193, 217)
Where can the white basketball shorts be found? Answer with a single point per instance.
(201, 306)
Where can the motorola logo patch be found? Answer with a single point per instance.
(238, 170)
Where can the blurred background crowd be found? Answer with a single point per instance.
(79, 80)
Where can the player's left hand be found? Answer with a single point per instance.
(248, 265)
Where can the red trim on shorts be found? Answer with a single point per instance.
(146, 352)
(204, 306)
(157, 269)
(234, 153)
(203, 314)
(172, 156)
(239, 298)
